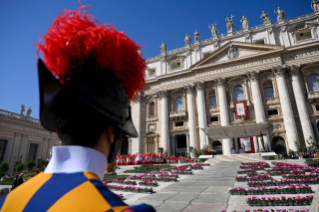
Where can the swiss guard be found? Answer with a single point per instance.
(89, 74)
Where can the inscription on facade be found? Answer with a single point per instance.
(300, 55)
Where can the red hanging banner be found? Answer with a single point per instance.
(241, 109)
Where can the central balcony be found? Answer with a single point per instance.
(178, 114)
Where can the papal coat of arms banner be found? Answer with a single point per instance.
(241, 109)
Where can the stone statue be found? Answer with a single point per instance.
(245, 22)
(188, 40)
(280, 15)
(22, 110)
(265, 17)
(29, 112)
(315, 5)
(196, 36)
(230, 24)
(232, 52)
(214, 30)
(163, 48)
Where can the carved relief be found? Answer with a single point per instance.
(220, 81)
(162, 94)
(278, 71)
(252, 75)
(294, 70)
(232, 52)
(189, 88)
(199, 85)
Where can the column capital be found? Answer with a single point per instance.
(294, 70)
(151, 96)
(252, 75)
(199, 85)
(162, 94)
(278, 71)
(220, 81)
(189, 88)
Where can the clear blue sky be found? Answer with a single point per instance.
(148, 22)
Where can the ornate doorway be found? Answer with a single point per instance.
(124, 146)
(278, 145)
(151, 146)
(217, 146)
(181, 146)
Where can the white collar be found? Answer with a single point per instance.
(71, 159)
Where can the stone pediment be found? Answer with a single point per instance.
(234, 51)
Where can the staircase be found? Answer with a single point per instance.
(236, 157)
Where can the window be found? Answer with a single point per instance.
(313, 81)
(212, 99)
(151, 73)
(206, 54)
(214, 119)
(317, 107)
(179, 104)
(301, 36)
(239, 94)
(33, 149)
(179, 124)
(3, 145)
(261, 41)
(175, 65)
(268, 89)
(151, 109)
(272, 112)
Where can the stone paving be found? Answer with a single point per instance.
(206, 190)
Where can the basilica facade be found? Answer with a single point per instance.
(239, 92)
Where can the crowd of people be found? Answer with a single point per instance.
(148, 158)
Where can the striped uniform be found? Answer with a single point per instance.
(81, 191)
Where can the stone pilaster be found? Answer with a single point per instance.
(224, 116)
(286, 108)
(258, 103)
(201, 113)
(191, 116)
(301, 103)
(164, 121)
(136, 116)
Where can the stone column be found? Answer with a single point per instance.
(301, 103)
(164, 121)
(224, 116)
(202, 123)
(287, 112)
(136, 116)
(258, 103)
(191, 117)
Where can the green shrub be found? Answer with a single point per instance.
(19, 166)
(202, 160)
(41, 162)
(30, 164)
(271, 158)
(160, 150)
(4, 167)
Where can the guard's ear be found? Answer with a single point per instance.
(49, 87)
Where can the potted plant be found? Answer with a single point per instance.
(29, 164)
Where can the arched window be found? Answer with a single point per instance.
(212, 99)
(152, 109)
(239, 94)
(179, 104)
(268, 89)
(313, 81)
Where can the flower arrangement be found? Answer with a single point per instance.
(148, 183)
(292, 189)
(300, 176)
(254, 173)
(271, 210)
(245, 171)
(125, 182)
(254, 167)
(278, 173)
(130, 189)
(282, 182)
(260, 163)
(196, 167)
(182, 172)
(254, 178)
(203, 164)
(163, 179)
(120, 196)
(277, 201)
(168, 175)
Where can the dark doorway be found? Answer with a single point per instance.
(278, 145)
(3, 146)
(181, 146)
(217, 146)
(33, 150)
(124, 146)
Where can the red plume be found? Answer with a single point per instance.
(77, 35)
